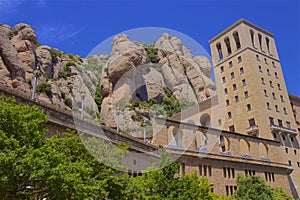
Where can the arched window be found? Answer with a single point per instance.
(177, 137)
(237, 39)
(260, 40)
(227, 42)
(224, 144)
(252, 37)
(219, 49)
(263, 151)
(244, 147)
(268, 44)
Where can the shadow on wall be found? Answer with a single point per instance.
(293, 188)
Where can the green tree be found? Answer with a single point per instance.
(57, 167)
(252, 188)
(279, 194)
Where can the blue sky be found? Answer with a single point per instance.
(78, 26)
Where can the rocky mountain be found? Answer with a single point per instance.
(121, 89)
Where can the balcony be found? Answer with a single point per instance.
(283, 130)
(252, 130)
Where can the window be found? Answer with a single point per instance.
(280, 123)
(219, 49)
(244, 82)
(273, 95)
(227, 43)
(252, 37)
(220, 122)
(224, 172)
(284, 111)
(234, 87)
(259, 39)
(281, 98)
(227, 102)
(251, 122)
(231, 128)
(276, 75)
(259, 69)
(273, 63)
(271, 83)
(182, 168)
(249, 108)
(286, 150)
(246, 94)
(268, 72)
(223, 79)
(290, 163)
(226, 91)
(292, 139)
(229, 115)
(237, 40)
(268, 106)
(222, 69)
(257, 57)
(271, 119)
(275, 135)
(288, 124)
(268, 44)
(266, 93)
(242, 70)
(298, 163)
(230, 64)
(232, 75)
(276, 108)
(278, 85)
(204, 170)
(236, 98)
(266, 61)
(295, 151)
(239, 59)
(262, 80)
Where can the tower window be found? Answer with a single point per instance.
(232, 75)
(244, 82)
(220, 122)
(288, 124)
(266, 61)
(246, 94)
(260, 40)
(234, 87)
(240, 59)
(266, 94)
(236, 98)
(284, 111)
(231, 128)
(268, 106)
(281, 98)
(278, 85)
(268, 44)
(257, 57)
(268, 72)
(225, 91)
(227, 102)
(237, 40)
(276, 75)
(230, 64)
(259, 69)
(273, 63)
(271, 83)
(241, 70)
(276, 108)
(223, 79)
(251, 122)
(252, 37)
(273, 94)
(249, 108)
(219, 49)
(280, 123)
(227, 43)
(271, 119)
(262, 80)
(229, 115)
(222, 69)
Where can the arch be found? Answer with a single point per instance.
(224, 144)
(219, 49)
(244, 147)
(205, 120)
(263, 150)
(260, 40)
(201, 140)
(252, 37)
(237, 39)
(227, 43)
(176, 137)
(268, 44)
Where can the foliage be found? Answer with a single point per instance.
(152, 54)
(98, 97)
(45, 88)
(54, 54)
(58, 167)
(279, 194)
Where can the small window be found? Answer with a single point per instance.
(279, 87)
(230, 64)
(232, 129)
(251, 122)
(249, 108)
(281, 98)
(268, 72)
(242, 70)
(246, 94)
(271, 83)
(286, 150)
(222, 69)
(276, 108)
(295, 151)
(276, 75)
(275, 135)
(220, 122)
(232, 75)
(290, 163)
(259, 69)
(284, 111)
(219, 49)
(283, 137)
(273, 95)
(271, 119)
(266, 61)
(234, 87)
(225, 91)
(268, 44)
(227, 102)
(240, 59)
(262, 80)
(266, 93)
(273, 63)
(223, 79)
(288, 124)
(236, 98)
(298, 163)
(292, 140)
(257, 57)
(229, 115)
(280, 123)
(244, 82)
(268, 106)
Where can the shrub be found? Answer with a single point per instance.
(45, 88)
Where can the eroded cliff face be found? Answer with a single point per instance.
(133, 72)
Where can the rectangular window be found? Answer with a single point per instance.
(268, 106)
(276, 108)
(271, 84)
(283, 137)
(229, 115)
(286, 150)
(220, 122)
(273, 95)
(227, 102)
(230, 64)
(240, 59)
(266, 61)
(242, 70)
(222, 69)
(284, 111)
(298, 163)
(244, 82)
(278, 85)
(276, 75)
(200, 170)
(223, 79)
(224, 172)
(262, 80)
(205, 170)
(275, 135)
(233, 172)
(246, 94)
(259, 69)
(288, 124)
(236, 98)
(273, 63)
(271, 119)
(281, 98)
(225, 91)
(209, 170)
(268, 72)
(280, 123)
(249, 108)
(257, 58)
(232, 75)
(251, 122)
(290, 163)
(265, 92)
(234, 87)
(232, 129)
